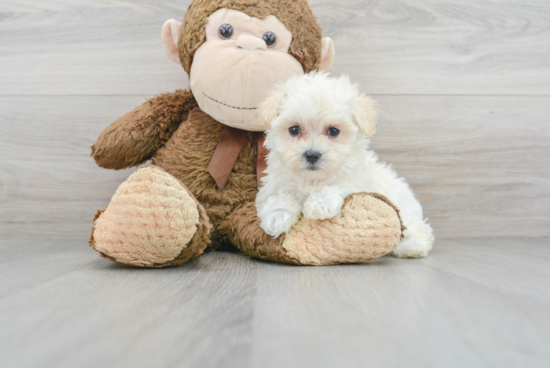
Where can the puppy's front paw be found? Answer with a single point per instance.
(322, 208)
(277, 222)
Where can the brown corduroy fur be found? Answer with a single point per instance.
(296, 15)
(187, 155)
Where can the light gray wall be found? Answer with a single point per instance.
(463, 87)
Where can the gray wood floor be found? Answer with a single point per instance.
(472, 303)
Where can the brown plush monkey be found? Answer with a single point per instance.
(206, 148)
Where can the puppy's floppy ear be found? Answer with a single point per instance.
(366, 115)
(269, 109)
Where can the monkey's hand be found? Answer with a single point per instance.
(135, 137)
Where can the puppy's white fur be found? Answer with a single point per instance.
(316, 102)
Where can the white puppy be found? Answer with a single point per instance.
(317, 134)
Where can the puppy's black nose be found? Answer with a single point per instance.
(312, 156)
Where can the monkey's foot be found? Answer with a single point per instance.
(368, 227)
(152, 221)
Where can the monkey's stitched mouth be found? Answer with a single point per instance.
(233, 107)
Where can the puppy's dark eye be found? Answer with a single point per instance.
(333, 132)
(226, 31)
(295, 131)
(270, 39)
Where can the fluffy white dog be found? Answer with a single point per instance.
(317, 135)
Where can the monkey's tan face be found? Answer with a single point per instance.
(239, 64)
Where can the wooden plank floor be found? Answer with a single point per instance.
(472, 303)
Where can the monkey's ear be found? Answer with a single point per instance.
(270, 108)
(366, 115)
(170, 35)
(327, 58)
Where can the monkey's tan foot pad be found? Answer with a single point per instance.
(368, 227)
(152, 221)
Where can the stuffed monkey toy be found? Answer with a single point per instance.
(206, 147)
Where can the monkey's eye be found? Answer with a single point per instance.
(295, 131)
(270, 39)
(333, 132)
(226, 32)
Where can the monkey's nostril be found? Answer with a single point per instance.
(312, 156)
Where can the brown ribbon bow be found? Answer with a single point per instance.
(227, 152)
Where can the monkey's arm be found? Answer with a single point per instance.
(135, 137)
